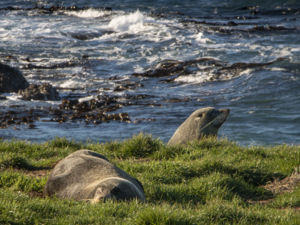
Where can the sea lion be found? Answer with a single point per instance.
(87, 175)
(202, 122)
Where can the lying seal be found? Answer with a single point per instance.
(202, 122)
(87, 175)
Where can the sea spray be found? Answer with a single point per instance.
(133, 22)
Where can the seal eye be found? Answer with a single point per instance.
(200, 115)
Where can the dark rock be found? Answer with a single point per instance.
(11, 79)
(232, 23)
(54, 66)
(10, 118)
(127, 86)
(102, 102)
(100, 109)
(52, 9)
(176, 68)
(120, 88)
(270, 28)
(166, 68)
(40, 92)
(83, 36)
(177, 100)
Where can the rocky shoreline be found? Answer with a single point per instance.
(105, 106)
(96, 110)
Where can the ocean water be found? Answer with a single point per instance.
(86, 48)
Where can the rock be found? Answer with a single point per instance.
(40, 92)
(89, 176)
(11, 79)
(177, 68)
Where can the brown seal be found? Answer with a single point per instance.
(202, 122)
(87, 175)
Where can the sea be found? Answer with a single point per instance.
(246, 58)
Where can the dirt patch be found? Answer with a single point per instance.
(281, 186)
(285, 185)
(36, 194)
(39, 173)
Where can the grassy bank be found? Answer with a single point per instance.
(207, 182)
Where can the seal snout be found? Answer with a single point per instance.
(226, 111)
(220, 117)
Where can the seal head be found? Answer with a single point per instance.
(118, 189)
(202, 122)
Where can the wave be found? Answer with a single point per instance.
(89, 13)
(133, 22)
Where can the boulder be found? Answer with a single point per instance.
(11, 79)
(40, 92)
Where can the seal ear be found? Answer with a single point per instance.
(199, 116)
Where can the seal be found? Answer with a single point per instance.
(87, 175)
(202, 122)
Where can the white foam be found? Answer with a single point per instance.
(203, 77)
(282, 52)
(191, 79)
(138, 69)
(89, 13)
(73, 84)
(133, 22)
(277, 69)
(13, 97)
(13, 100)
(201, 39)
(84, 99)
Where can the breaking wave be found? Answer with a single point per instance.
(88, 13)
(133, 22)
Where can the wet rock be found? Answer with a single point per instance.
(11, 118)
(165, 68)
(176, 68)
(270, 28)
(103, 102)
(83, 36)
(232, 23)
(177, 100)
(2, 97)
(120, 88)
(51, 9)
(11, 79)
(54, 66)
(100, 109)
(127, 86)
(40, 92)
(211, 69)
(94, 111)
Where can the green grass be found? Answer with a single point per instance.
(207, 182)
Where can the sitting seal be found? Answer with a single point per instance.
(87, 175)
(202, 122)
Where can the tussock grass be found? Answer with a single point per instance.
(207, 182)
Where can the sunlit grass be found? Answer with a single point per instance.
(207, 182)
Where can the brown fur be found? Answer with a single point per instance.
(87, 175)
(202, 122)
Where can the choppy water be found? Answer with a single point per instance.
(92, 50)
